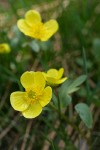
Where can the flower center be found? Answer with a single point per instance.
(39, 31)
(31, 94)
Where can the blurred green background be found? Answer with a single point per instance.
(75, 47)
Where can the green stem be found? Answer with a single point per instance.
(86, 72)
(50, 141)
(69, 122)
(59, 108)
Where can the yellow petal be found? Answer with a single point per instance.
(18, 101)
(52, 73)
(39, 80)
(51, 81)
(32, 17)
(27, 79)
(47, 95)
(23, 26)
(60, 72)
(33, 110)
(61, 80)
(50, 28)
(44, 74)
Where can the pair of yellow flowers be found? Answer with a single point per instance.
(38, 91)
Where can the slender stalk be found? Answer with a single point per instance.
(53, 145)
(86, 72)
(59, 108)
(50, 141)
(69, 121)
(61, 125)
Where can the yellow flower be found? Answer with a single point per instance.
(4, 48)
(54, 77)
(35, 97)
(33, 26)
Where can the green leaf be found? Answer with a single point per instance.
(35, 46)
(85, 114)
(73, 86)
(71, 90)
(65, 99)
(69, 87)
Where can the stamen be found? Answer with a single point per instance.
(31, 94)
